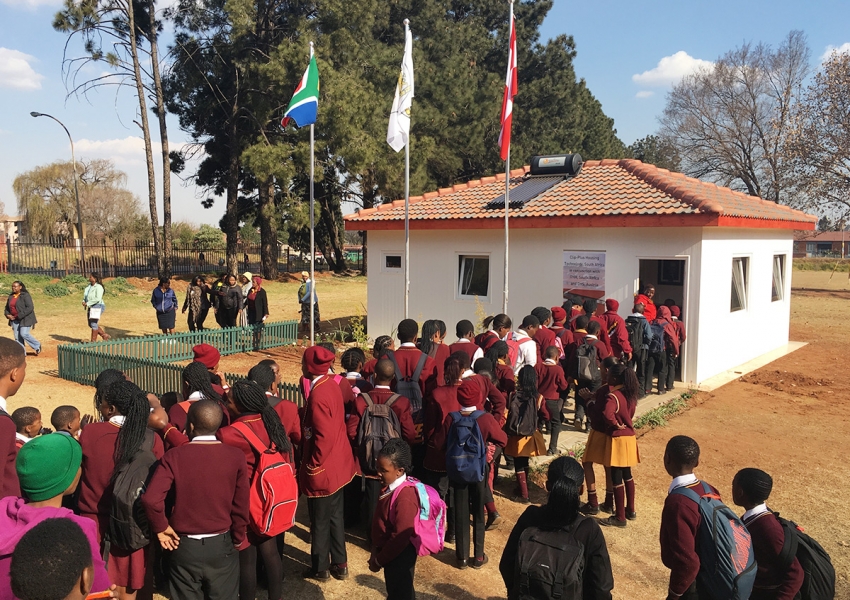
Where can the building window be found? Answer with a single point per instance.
(392, 262)
(778, 291)
(473, 276)
(740, 276)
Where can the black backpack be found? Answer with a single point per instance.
(522, 416)
(635, 329)
(378, 425)
(657, 345)
(819, 578)
(409, 386)
(128, 525)
(550, 565)
(587, 363)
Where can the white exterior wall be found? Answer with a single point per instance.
(536, 278)
(728, 339)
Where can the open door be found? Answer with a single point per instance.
(668, 277)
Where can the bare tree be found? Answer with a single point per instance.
(820, 141)
(730, 122)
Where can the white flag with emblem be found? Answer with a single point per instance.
(398, 132)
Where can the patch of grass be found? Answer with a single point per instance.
(117, 286)
(822, 264)
(657, 417)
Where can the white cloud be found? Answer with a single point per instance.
(30, 4)
(16, 71)
(644, 94)
(128, 151)
(670, 70)
(842, 49)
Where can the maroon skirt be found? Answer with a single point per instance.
(125, 568)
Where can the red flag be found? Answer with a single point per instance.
(510, 92)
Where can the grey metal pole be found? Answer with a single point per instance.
(76, 190)
(312, 235)
(507, 193)
(406, 210)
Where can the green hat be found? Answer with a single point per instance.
(47, 465)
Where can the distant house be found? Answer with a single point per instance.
(833, 244)
(721, 255)
(11, 228)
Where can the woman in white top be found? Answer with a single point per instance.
(93, 303)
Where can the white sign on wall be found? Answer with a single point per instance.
(584, 272)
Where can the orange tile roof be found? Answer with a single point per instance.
(613, 192)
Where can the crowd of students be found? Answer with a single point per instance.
(406, 443)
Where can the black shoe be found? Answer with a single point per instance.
(612, 521)
(606, 509)
(477, 563)
(522, 500)
(493, 519)
(552, 453)
(338, 572)
(587, 509)
(318, 575)
(631, 516)
(462, 563)
(450, 537)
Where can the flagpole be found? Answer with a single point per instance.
(507, 188)
(312, 236)
(406, 209)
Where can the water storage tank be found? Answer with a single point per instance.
(568, 165)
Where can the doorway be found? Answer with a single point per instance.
(668, 276)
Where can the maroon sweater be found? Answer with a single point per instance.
(617, 411)
(95, 492)
(401, 407)
(327, 463)
(550, 380)
(615, 327)
(469, 347)
(594, 407)
(179, 413)
(210, 491)
(407, 359)
(392, 529)
(440, 403)
(486, 340)
(440, 352)
(9, 485)
(773, 580)
(288, 413)
(507, 379)
(679, 526)
(544, 338)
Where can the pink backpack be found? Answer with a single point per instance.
(430, 526)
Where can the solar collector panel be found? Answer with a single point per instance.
(526, 191)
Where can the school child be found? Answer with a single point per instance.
(327, 465)
(107, 447)
(66, 421)
(587, 343)
(207, 524)
(645, 298)
(774, 580)
(465, 332)
(393, 523)
(382, 344)
(641, 337)
(497, 328)
(196, 386)
(400, 406)
(596, 450)
(590, 310)
(286, 410)
(661, 355)
(559, 318)
(469, 498)
(169, 399)
(431, 343)
(544, 337)
(505, 379)
(521, 445)
(615, 326)
(559, 519)
(210, 357)
(52, 560)
(621, 451)
(673, 361)
(48, 468)
(550, 384)
(13, 369)
(524, 336)
(352, 361)
(680, 520)
(28, 424)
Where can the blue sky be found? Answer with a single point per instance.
(628, 52)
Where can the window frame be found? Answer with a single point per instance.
(782, 273)
(744, 271)
(385, 268)
(461, 266)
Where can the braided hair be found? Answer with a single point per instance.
(262, 375)
(564, 480)
(382, 342)
(353, 359)
(251, 399)
(497, 351)
(397, 451)
(131, 402)
(621, 374)
(527, 384)
(429, 329)
(197, 378)
(106, 378)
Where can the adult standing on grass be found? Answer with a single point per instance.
(197, 302)
(231, 302)
(21, 314)
(93, 303)
(164, 301)
(245, 280)
(307, 290)
(257, 308)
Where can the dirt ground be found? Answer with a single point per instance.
(781, 418)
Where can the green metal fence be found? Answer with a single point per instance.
(150, 360)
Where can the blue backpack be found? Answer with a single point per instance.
(466, 452)
(727, 563)
(657, 345)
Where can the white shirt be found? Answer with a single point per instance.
(408, 345)
(3, 403)
(394, 485)
(527, 351)
(479, 353)
(23, 438)
(467, 374)
(195, 396)
(382, 387)
(682, 481)
(754, 512)
(118, 420)
(205, 438)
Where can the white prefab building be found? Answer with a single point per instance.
(723, 256)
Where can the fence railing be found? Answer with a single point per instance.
(58, 258)
(150, 361)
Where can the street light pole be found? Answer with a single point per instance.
(76, 190)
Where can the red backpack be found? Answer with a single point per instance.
(274, 488)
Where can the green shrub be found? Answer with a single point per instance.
(75, 280)
(119, 285)
(56, 290)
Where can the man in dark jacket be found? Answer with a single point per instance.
(20, 312)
